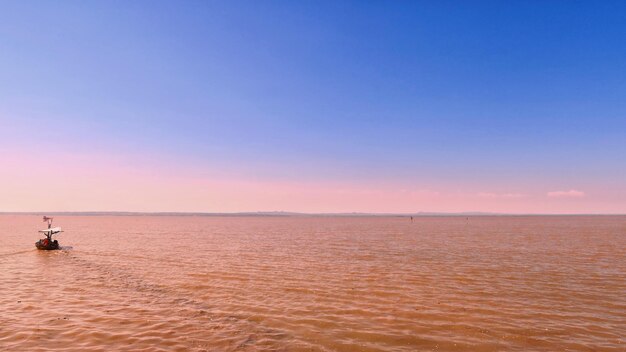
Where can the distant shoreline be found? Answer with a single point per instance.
(288, 214)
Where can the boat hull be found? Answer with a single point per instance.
(47, 245)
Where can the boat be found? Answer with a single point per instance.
(47, 243)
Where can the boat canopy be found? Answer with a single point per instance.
(51, 231)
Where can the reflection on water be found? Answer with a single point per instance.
(315, 283)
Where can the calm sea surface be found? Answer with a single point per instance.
(146, 283)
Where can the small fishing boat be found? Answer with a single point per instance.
(47, 243)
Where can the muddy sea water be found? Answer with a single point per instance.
(196, 283)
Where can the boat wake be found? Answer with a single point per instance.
(205, 324)
(16, 253)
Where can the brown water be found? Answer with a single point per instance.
(143, 283)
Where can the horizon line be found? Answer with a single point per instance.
(280, 213)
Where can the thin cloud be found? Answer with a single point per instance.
(572, 193)
(424, 193)
(501, 195)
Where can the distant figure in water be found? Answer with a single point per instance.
(411, 219)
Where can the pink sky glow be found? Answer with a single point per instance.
(75, 182)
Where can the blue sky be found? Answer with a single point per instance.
(519, 96)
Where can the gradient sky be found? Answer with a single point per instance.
(385, 106)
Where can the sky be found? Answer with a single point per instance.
(313, 106)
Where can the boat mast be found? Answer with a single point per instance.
(49, 233)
